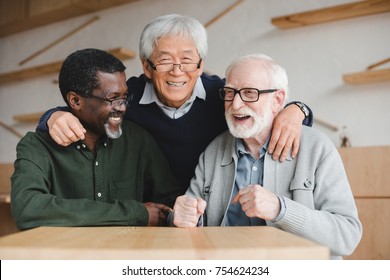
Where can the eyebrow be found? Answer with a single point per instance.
(161, 53)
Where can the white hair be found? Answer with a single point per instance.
(172, 25)
(276, 73)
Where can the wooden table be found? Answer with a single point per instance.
(158, 243)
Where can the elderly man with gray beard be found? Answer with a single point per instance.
(237, 183)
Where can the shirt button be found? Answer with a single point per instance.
(99, 194)
(254, 168)
(307, 183)
(96, 163)
(78, 147)
(83, 145)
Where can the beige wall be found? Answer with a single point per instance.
(315, 57)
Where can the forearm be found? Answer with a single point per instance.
(339, 233)
(34, 205)
(325, 211)
(47, 210)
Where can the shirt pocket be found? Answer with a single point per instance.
(302, 189)
(122, 190)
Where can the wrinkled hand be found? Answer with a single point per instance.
(259, 202)
(286, 133)
(187, 211)
(65, 128)
(157, 213)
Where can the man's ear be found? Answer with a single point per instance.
(147, 68)
(74, 100)
(279, 97)
(200, 70)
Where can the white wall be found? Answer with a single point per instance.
(315, 57)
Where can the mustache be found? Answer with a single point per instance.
(241, 111)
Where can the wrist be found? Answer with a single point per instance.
(303, 108)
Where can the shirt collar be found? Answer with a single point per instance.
(240, 147)
(103, 142)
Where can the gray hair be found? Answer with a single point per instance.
(172, 25)
(276, 73)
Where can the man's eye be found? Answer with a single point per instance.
(164, 61)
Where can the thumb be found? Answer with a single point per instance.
(236, 198)
(201, 206)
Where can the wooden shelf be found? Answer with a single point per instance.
(345, 11)
(369, 76)
(32, 117)
(54, 67)
(21, 15)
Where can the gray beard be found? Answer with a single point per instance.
(259, 124)
(112, 134)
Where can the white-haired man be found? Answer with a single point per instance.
(237, 183)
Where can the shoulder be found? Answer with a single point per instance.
(313, 139)
(141, 79)
(136, 86)
(35, 145)
(35, 138)
(212, 81)
(312, 135)
(131, 127)
(221, 141)
(132, 131)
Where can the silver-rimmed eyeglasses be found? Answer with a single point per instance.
(246, 94)
(167, 67)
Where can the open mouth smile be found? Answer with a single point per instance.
(239, 117)
(172, 84)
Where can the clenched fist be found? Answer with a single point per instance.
(187, 211)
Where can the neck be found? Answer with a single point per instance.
(253, 145)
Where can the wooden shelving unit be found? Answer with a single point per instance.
(369, 76)
(54, 67)
(370, 184)
(356, 9)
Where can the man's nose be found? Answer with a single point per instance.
(177, 69)
(237, 102)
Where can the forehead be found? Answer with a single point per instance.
(173, 45)
(112, 82)
(248, 74)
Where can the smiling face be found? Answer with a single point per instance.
(175, 87)
(97, 115)
(250, 119)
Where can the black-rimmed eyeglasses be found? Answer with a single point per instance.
(118, 102)
(167, 67)
(246, 94)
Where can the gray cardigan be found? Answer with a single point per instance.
(319, 202)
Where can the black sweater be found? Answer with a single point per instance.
(182, 140)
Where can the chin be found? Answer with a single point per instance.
(113, 134)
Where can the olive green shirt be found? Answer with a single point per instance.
(71, 186)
